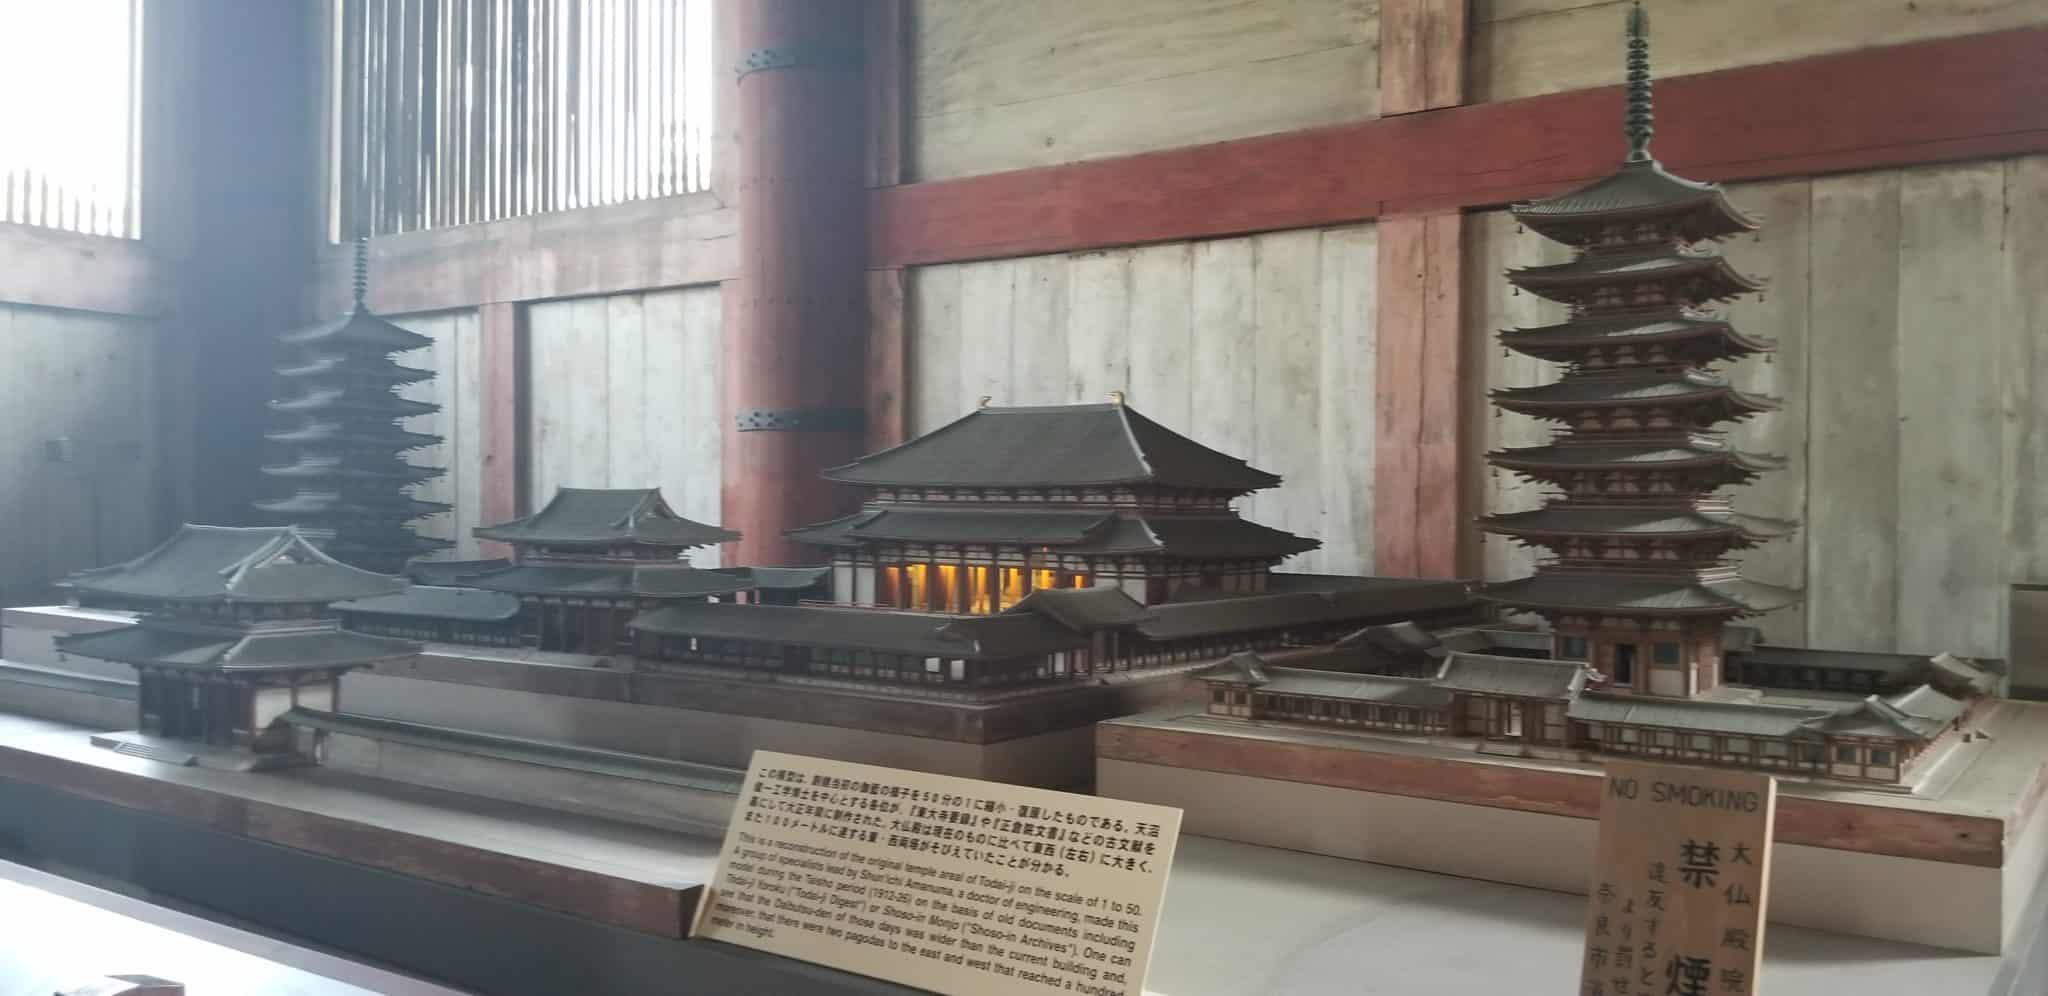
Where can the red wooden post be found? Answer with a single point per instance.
(796, 344)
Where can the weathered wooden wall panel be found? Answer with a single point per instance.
(1526, 47)
(1910, 323)
(1261, 347)
(457, 363)
(625, 394)
(1005, 85)
(96, 497)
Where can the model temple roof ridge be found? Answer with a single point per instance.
(237, 563)
(1053, 446)
(605, 516)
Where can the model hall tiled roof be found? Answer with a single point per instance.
(1392, 600)
(1084, 610)
(1624, 594)
(451, 572)
(1638, 190)
(1077, 532)
(1515, 677)
(1698, 715)
(244, 564)
(914, 634)
(606, 517)
(436, 602)
(1377, 689)
(1054, 446)
(321, 648)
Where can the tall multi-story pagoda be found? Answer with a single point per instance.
(348, 476)
(1638, 582)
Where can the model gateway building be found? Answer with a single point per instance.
(234, 632)
(1638, 589)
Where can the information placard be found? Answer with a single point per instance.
(948, 884)
(1679, 882)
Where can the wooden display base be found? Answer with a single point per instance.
(1953, 865)
(1042, 737)
(622, 876)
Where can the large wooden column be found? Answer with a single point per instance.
(796, 328)
(1420, 511)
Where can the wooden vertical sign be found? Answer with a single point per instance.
(1679, 882)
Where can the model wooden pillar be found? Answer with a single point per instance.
(795, 334)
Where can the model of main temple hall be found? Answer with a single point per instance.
(1637, 589)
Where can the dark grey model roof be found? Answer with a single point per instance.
(1732, 596)
(1648, 388)
(607, 517)
(451, 572)
(677, 580)
(435, 602)
(1517, 677)
(1697, 716)
(915, 634)
(1892, 666)
(779, 578)
(246, 564)
(1084, 609)
(1054, 446)
(1638, 189)
(1077, 532)
(1399, 599)
(360, 327)
(1613, 521)
(147, 645)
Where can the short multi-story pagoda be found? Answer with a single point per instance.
(1638, 582)
(235, 630)
(348, 478)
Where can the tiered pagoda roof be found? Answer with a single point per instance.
(347, 476)
(1637, 530)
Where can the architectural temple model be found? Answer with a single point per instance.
(1041, 551)
(1638, 590)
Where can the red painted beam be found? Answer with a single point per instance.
(1958, 98)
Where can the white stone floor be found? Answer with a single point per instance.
(57, 934)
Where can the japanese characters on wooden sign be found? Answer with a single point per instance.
(947, 884)
(1679, 882)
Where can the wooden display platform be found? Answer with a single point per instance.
(618, 875)
(1953, 866)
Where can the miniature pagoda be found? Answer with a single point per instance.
(234, 632)
(1638, 582)
(348, 477)
(974, 516)
(1640, 658)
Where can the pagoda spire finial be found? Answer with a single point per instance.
(1640, 125)
(362, 268)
